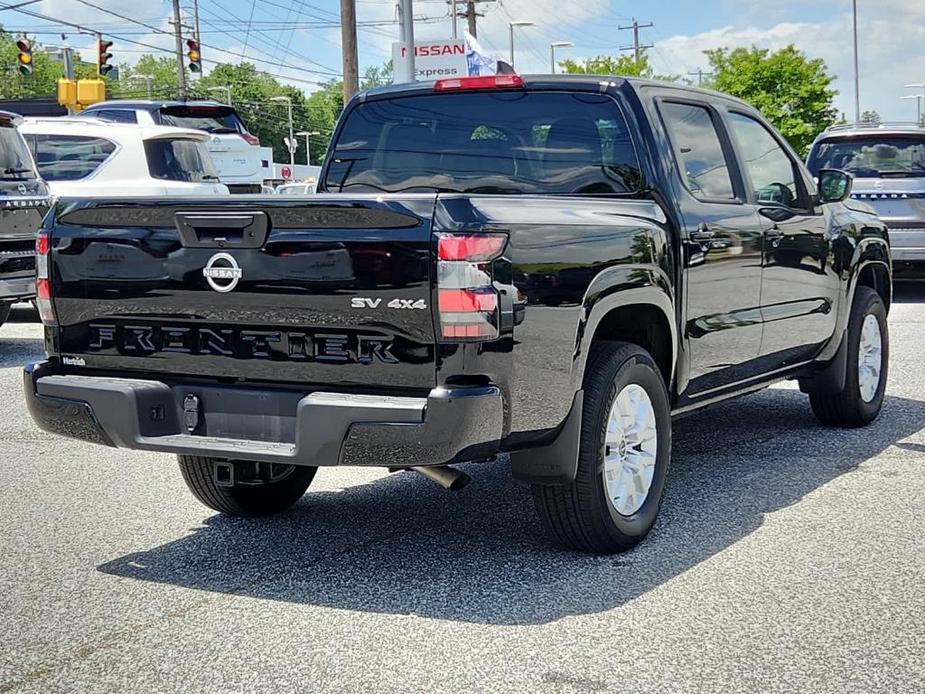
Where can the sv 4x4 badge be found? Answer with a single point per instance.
(366, 302)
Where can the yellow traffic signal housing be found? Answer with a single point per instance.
(25, 56)
(67, 93)
(193, 56)
(90, 92)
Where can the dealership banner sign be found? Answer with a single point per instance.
(434, 60)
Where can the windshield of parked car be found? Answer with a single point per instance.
(69, 157)
(212, 119)
(872, 156)
(15, 162)
(486, 142)
(179, 160)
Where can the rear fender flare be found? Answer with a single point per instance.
(624, 285)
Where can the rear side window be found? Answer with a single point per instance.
(213, 119)
(489, 142)
(179, 160)
(703, 163)
(69, 157)
(15, 162)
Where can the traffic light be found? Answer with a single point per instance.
(102, 61)
(25, 56)
(193, 55)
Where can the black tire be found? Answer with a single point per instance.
(244, 499)
(848, 408)
(5, 309)
(579, 516)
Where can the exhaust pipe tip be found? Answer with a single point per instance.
(447, 477)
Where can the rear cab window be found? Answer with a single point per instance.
(506, 142)
(69, 157)
(177, 159)
(217, 120)
(15, 162)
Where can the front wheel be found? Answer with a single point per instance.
(859, 402)
(244, 488)
(623, 456)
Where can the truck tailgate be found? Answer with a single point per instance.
(320, 290)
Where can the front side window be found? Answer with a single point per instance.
(505, 142)
(115, 115)
(767, 164)
(870, 156)
(703, 162)
(179, 160)
(69, 157)
(15, 162)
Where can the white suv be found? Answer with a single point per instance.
(234, 150)
(91, 158)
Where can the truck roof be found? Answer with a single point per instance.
(584, 82)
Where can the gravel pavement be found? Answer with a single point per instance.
(788, 557)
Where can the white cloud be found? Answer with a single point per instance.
(891, 42)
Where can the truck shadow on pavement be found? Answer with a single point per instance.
(402, 545)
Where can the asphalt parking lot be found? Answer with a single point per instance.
(788, 557)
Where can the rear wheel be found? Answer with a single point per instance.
(859, 403)
(245, 488)
(623, 456)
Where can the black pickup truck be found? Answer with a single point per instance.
(546, 267)
(23, 203)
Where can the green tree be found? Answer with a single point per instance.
(870, 117)
(794, 92)
(623, 66)
(377, 76)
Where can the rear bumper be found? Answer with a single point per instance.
(318, 428)
(907, 245)
(17, 288)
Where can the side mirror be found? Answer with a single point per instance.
(834, 185)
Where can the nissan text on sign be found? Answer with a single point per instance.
(434, 59)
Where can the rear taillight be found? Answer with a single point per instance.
(467, 301)
(42, 279)
(252, 140)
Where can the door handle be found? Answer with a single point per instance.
(774, 235)
(703, 234)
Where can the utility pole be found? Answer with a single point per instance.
(857, 75)
(178, 36)
(348, 36)
(700, 74)
(472, 14)
(196, 20)
(406, 26)
(637, 48)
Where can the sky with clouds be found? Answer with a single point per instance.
(299, 40)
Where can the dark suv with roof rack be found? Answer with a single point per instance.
(235, 152)
(887, 161)
(23, 204)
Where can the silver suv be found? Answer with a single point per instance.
(887, 161)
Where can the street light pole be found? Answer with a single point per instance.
(307, 134)
(511, 26)
(291, 143)
(225, 90)
(857, 76)
(919, 97)
(552, 53)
